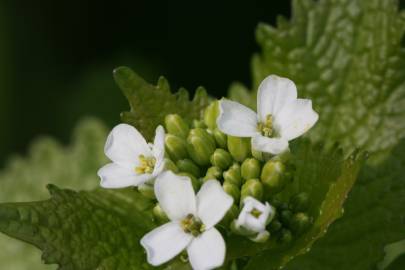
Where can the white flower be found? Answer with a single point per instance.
(193, 218)
(254, 218)
(134, 161)
(280, 117)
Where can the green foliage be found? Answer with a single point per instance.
(346, 56)
(327, 177)
(24, 179)
(150, 104)
(83, 230)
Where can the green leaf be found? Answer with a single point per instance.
(374, 216)
(83, 230)
(327, 177)
(150, 104)
(25, 178)
(346, 56)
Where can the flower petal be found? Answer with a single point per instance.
(158, 149)
(274, 146)
(125, 144)
(273, 94)
(212, 203)
(236, 119)
(175, 195)
(207, 251)
(165, 242)
(115, 176)
(295, 119)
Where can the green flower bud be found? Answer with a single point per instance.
(275, 225)
(159, 214)
(300, 222)
(230, 216)
(232, 190)
(239, 148)
(210, 115)
(257, 155)
(176, 147)
(170, 166)
(176, 125)
(221, 159)
(200, 146)
(147, 191)
(220, 138)
(261, 237)
(252, 187)
(198, 124)
(188, 166)
(250, 168)
(286, 216)
(272, 176)
(213, 173)
(194, 181)
(233, 175)
(299, 202)
(285, 236)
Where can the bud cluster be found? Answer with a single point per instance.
(202, 152)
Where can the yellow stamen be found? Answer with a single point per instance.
(146, 165)
(266, 127)
(193, 225)
(256, 213)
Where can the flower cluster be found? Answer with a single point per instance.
(226, 168)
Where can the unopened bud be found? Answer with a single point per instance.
(159, 214)
(232, 190)
(252, 187)
(170, 166)
(261, 237)
(194, 181)
(272, 176)
(176, 147)
(275, 225)
(257, 154)
(250, 168)
(188, 166)
(176, 125)
(233, 175)
(300, 222)
(286, 216)
(239, 148)
(198, 124)
(147, 191)
(299, 202)
(285, 236)
(211, 114)
(220, 138)
(200, 146)
(213, 173)
(221, 159)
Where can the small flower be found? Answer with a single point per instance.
(134, 161)
(280, 117)
(192, 220)
(253, 219)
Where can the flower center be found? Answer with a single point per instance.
(266, 127)
(193, 225)
(146, 165)
(256, 212)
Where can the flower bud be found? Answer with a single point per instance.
(147, 191)
(257, 155)
(299, 202)
(275, 225)
(221, 159)
(285, 236)
(239, 148)
(211, 114)
(170, 166)
(232, 190)
(188, 166)
(213, 173)
(200, 146)
(220, 138)
(175, 147)
(159, 214)
(232, 175)
(250, 168)
(286, 216)
(194, 181)
(198, 124)
(176, 125)
(261, 237)
(253, 188)
(300, 222)
(272, 176)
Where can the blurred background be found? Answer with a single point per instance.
(56, 57)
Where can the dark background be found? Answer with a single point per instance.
(56, 57)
